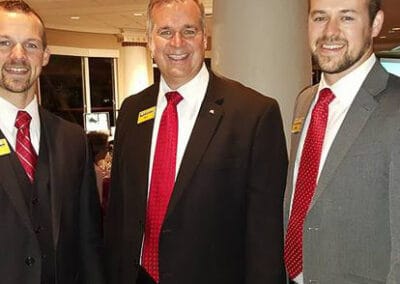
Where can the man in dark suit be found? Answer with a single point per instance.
(49, 209)
(349, 230)
(215, 214)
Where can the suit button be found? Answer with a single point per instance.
(29, 261)
(35, 201)
(313, 229)
(38, 229)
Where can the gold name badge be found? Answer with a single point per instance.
(297, 124)
(146, 115)
(4, 148)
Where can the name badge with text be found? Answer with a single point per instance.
(146, 115)
(4, 148)
(297, 124)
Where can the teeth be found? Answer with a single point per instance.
(177, 56)
(17, 69)
(332, 46)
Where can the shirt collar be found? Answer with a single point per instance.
(9, 112)
(197, 85)
(347, 87)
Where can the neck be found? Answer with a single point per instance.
(20, 100)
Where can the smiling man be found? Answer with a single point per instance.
(198, 172)
(49, 209)
(342, 203)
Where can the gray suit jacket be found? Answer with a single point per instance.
(352, 231)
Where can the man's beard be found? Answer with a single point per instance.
(335, 64)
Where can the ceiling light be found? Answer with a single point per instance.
(382, 37)
(138, 14)
(391, 32)
(74, 17)
(396, 29)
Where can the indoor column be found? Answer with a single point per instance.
(263, 44)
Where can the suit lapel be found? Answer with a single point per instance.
(140, 156)
(210, 115)
(48, 132)
(302, 108)
(361, 109)
(12, 184)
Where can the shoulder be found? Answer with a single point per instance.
(134, 99)
(61, 129)
(235, 93)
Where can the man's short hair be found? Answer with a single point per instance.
(154, 3)
(373, 7)
(24, 8)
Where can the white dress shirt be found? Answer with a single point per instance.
(8, 114)
(345, 90)
(193, 94)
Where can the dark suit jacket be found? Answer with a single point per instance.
(352, 230)
(74, 208)
(224, 220)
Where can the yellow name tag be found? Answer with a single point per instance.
(146, 115)
(297, 124)
(4, 148)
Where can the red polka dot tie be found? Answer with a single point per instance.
(306, 183)
(162, 183)
(24, 148)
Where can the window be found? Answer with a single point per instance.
(75, 84)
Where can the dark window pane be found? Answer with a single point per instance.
(101, 86)
(61, 89)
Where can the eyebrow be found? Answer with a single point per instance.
(344, 11)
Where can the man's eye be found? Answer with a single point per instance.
(5, 43)
(32, 45)
(165, 33)
(347, 18)
(188, 33)
(319, 19)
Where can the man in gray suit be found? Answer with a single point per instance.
(342, 203)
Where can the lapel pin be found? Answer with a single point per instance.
(146, 115)
(211, 111)
(4, 148)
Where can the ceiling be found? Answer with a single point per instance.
(97, 16)
(124, 16)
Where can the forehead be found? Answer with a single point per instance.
(176, 13)
(17, 24)
(339, 5)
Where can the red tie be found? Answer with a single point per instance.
(306, 183)
(162, 183)
(24, 149)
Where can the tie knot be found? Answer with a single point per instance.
(326, 96)
(173, 97)
(23, 119)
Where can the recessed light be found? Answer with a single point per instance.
(74, 17)
(382, 37)
(396, 29)
(138, 14)
(391, 32)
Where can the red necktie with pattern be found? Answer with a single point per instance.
(306, 183)
(23, 148)
(162, 183)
